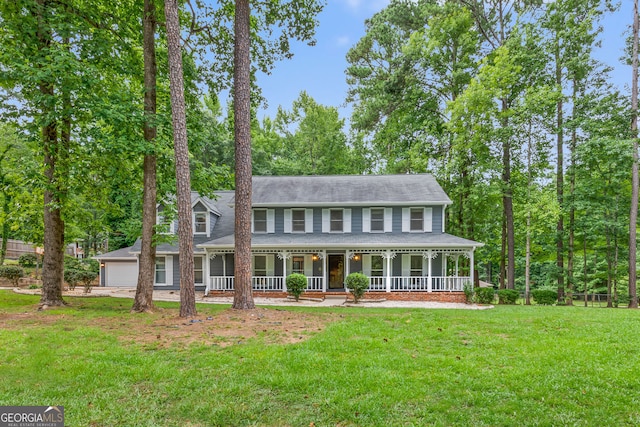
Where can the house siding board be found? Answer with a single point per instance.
(215, 266)
(278, 266)
(199, 207)
(356, 220)
(396, 266)
(317, 220)
(176, 272)
(279, 221)
(436, 217)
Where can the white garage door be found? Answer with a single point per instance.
(122, 274)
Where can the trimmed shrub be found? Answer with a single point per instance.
(296, 284)
(508, 296)
(71, 277)
(86, 277)
(469, 294)
(12, 272)
(27, 260)
(358, 284)
(485, 295)
(544, 296)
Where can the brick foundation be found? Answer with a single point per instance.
(393, 296)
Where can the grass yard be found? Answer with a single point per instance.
(517, 365)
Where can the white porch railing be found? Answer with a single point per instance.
(376, 284)
(315, 283)
(267, 283)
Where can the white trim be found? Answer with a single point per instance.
(326, 221)
(308, 220)
(427, 220)
(346, 220)
(354, 204)
(288, 221)
(207, 226)
(444, 208)
(388, 220)
(271, 221)
(366, 220)
(406, 220)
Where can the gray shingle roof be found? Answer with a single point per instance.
(124, 253)
(347, 190)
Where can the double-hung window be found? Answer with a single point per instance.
(161, 270)
(336, 220)
(259, 220)
(415, 269)
(377, 220)
(417, 219)
(198, 271)
(297, 264)
(298, 217)
(200, 222)
(260, 265)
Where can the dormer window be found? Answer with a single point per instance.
(200, 222)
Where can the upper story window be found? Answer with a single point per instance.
(263, 221)
(377, 220)
(200, 222)
(260, 221)
(298, 217)
(336, 219)
(417, 219)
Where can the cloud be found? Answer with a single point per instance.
(343, 40)
(366, 5)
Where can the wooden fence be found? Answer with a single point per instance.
(15, 248)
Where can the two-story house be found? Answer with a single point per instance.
(389, 227)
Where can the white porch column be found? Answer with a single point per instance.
(456, 257)
(471, 252)
(388, 255)
(206, 272)
(347, 267)
(284, 256)
(429, 255)
(325, 273)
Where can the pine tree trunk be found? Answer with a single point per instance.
(559, 180)
(5, 228)
(633, 217)
(181, 150)
(243, 295)
(146, 270)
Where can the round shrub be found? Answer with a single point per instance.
(544, 296)
(27, 260)
(296, 284)
(358, 284)
(485, 295)
(71, 277)
(86, 277)
(12, 272)
(469, 293)
(508, 296)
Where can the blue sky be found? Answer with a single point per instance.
(320, 69)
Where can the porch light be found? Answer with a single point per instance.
(315, 257)
(356, 257)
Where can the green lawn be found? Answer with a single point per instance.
(509, 366)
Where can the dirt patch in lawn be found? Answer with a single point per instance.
(164, 328)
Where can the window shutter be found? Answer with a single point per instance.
(366, 220)
(252, 222)
(270, 265)
(308, 266)
(346, 221)
(406, 265)
(169, 269)
(308, 221)
(325, 221)
(428, 220)
(388, 220)
(287, 221)
(271, 221)
(366, 264)
(406, 220)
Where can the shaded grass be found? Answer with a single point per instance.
(501, 367)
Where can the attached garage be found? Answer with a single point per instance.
(118, 269)
(121, 274)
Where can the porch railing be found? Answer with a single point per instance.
(376, 284)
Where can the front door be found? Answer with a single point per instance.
(336, 271)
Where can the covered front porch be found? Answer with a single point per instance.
(403, 270)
